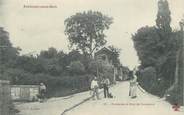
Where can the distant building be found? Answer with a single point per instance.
(123, 73)
(24, 92)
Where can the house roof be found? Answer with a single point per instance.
(104, 50)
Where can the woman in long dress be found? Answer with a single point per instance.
(133, 86)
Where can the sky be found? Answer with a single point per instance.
(35, 29)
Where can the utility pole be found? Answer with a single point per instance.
(182, 30)
(115, 72)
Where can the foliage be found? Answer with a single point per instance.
(76, 67)
(63, 73)
(156, 47)
(52, 52)
(50, 67)
(28, 63)
(163, 16)
(176, 91)
(149, 81)
(152, 49)
(115, 56)
(101, 69)
(56, 86)
(7, 52)
(85, 30)
(158, 52)
(175, 96)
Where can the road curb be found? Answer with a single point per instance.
(78, 104)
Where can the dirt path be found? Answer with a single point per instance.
(122, 104)
(54, 106)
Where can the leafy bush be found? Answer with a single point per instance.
(103, 69)
(76, 67)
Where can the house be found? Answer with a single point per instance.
(106, 56)
(24, 92)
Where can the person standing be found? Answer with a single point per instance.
(130, 81)
(106, 83)
(133, 85)
(95, 88)
(42, 92)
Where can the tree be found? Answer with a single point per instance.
(85, 31)
(53, 61)
(99, 68)
(163, 16)
(29, 64)
(176, 90)
(52, 52)
(154, 51)
(149, 46)
(7, 51)
(115, 56)
(74, 55)
(157, 47)
(76, 67)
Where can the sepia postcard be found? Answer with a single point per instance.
(91, 57)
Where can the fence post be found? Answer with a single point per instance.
(5, 98)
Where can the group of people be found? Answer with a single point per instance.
(95, 88)
(106, 83)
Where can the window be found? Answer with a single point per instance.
(104, 57)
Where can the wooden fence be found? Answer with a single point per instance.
(5, 98)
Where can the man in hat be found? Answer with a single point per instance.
(106, 83)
